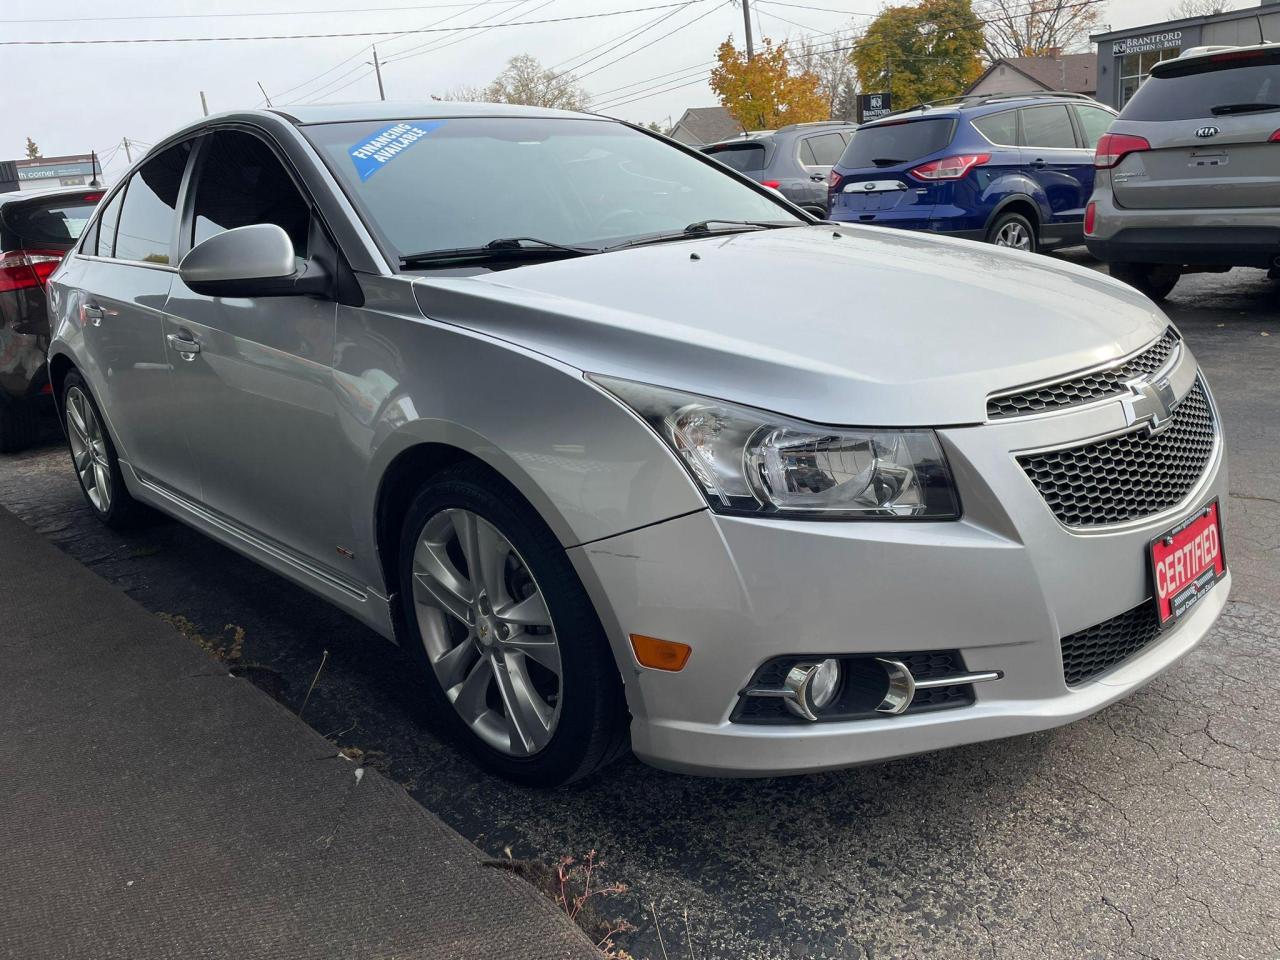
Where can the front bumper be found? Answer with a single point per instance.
(1002, 586)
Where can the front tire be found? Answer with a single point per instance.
(94, 458)
(516, 662)
(1156, 280)
(1015, 231)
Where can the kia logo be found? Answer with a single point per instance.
(1207, 132)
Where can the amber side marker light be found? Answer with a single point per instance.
(660, 654)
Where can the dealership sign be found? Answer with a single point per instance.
(1147, 43)
(873, 106)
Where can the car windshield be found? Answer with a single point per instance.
(901, 141)
(450, 184)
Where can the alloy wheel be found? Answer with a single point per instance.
(89, 449)
(1013, 234)
(487, 632)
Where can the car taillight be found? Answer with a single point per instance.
(833, 180)
(1090, 216)
(949, 168)
(772, 184)
(21, 269)
(1114, 147)
(1274, 138)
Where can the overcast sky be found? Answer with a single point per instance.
(73, 98)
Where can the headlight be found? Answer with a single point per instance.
(755, 462)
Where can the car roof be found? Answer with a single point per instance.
(424, 109)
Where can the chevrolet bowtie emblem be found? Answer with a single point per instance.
(1151, 402)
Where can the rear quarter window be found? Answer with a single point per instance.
(52, 222)
(1188, 91)
(889, 144)
(999, 128)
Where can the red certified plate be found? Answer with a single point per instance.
(1186, 562)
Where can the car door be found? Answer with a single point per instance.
(818, 154)
(254, 374)
(122, 282)
(1054, 158)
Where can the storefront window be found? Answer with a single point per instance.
(1134, 68)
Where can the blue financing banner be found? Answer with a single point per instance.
(373, 154)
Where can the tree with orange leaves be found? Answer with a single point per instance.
(763, 93)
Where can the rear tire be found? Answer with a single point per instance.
(536, 698)
(94, 459)
(1015, 231)
(1156, 280)
(19, 425)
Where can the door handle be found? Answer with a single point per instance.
(816, 177)
(187, 348)
(1039, 162)
(93, 313)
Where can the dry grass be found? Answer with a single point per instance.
(227, 646)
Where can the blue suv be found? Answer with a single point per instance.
(1016, 171)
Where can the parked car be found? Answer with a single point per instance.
(1187, 176)
(794, 160)
(36, 229)
(559, 443)
(1015, 171)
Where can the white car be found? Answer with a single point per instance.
(531, 392)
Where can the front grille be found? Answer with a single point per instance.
(1085, 388)
(1100, 647)
(1130, 476)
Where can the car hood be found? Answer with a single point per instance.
(839, 325)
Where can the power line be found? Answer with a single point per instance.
(329, 36)
(251, 13)
(632, 53)
(615, 42)
(480, 27)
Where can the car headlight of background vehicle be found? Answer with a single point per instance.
(753, 462)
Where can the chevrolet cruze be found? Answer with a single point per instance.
(528, 392)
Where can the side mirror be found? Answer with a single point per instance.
(253, 261)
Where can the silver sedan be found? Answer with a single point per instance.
(625, 450)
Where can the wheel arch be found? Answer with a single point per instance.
(1017, 203)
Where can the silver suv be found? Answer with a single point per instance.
(1189, 174)
(575, 443)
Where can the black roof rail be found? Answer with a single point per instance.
(978, 99)
(818, 123)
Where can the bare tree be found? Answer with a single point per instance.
(1037, 28)
(525, 80)
(830, 64)
(1185, 9)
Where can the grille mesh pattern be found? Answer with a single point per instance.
(1130, 476)
(1099, 648)
(1084, 389)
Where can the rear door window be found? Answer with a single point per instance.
(821, 151)
(1048, 127)
(149, 216)
(1209, 88)
(55, 222)
(743, 157)
(241, 182)
(889, 144)
(999, 128)
(1094, 122)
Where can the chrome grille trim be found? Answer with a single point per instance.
(1129, 476)
(1102, 383)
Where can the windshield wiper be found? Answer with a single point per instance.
(1225, 108)
(886, 161)
(704, 226)
(503, 248)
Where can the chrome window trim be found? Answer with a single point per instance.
(128, 263)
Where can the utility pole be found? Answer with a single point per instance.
(124, 142)
(746, 19)
(377, 69)
(265, 95)
(204, 105)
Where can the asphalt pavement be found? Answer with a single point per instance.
(1149, 830)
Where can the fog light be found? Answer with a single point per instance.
(812, 687)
